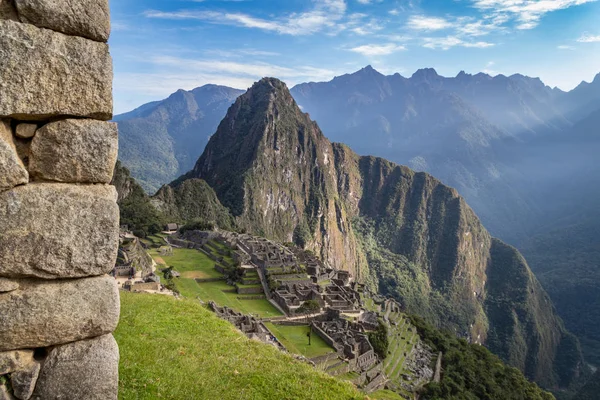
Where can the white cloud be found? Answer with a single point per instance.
(394, 12)
(424, 23)
(527, 13)
(254, 70)
(488, 68)
(372, 50)
(446, 43)
(242, 52)
(478, 28)
(325, 14)
(587, 38)
(565, 47)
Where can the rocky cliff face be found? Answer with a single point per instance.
(274, 169)
(403, 233)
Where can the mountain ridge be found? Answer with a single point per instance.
(158, 141)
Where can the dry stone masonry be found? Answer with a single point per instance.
(59, 218)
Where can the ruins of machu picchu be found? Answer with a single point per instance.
(287, 297)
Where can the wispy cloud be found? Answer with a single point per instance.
(325, 14)
(587, 38)
(424, 23)
(253, 70)
(527, 13)
(565, 47)
(242, 52)
(372, 50)
(446, 43)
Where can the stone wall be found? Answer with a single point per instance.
(58, 216)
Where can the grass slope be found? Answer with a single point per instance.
(295, 340)
(195, 264)
(176, 349)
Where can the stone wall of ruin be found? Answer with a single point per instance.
(59, 221)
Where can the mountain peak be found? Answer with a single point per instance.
(367, 71)
(267, 85)
(425, 73)
(596, 79)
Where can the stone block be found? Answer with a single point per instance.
(45, 74)
(12, 170)
(8, 285)
(86, 18)
(44, 313)
(57, 230)
(75, 150)
(88, 370)
(26, 131)
(11, 361)
(23, 381)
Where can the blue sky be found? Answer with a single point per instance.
(160, 46)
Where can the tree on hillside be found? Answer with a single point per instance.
(379, 340)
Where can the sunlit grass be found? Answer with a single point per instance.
(176, 349)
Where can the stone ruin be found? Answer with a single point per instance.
(59, 216)
(247, 324)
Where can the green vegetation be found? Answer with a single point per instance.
(295, 340)
(565, 258)
(513, 302)
(193, 264)
(193, 201)
(471, 372)
(591, 390)
(379, 340)
(136, 211)
(176, 349)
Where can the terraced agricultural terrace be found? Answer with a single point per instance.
(200, 279)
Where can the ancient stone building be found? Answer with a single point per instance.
(59, 221)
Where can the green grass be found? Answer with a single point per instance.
(176, 349)
(349, 376)
(294, 339)
(195, 264)
(214, 291)
(189, 260)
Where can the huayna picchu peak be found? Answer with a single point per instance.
(403, 234)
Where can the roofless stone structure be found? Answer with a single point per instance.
(59, 220)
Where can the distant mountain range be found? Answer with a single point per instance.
(162, 140)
